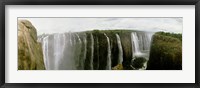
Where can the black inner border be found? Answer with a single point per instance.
(3, 3)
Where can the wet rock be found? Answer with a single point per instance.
(138, 63)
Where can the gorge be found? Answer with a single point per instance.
(116, 49)
(95, 50)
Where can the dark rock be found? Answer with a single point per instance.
(138, 63)
(127, 49)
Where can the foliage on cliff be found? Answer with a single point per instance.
(30, 55)
(174, 35)
(165, 52)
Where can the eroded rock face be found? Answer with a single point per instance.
(166, 52)
(30, 56)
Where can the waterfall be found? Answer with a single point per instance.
(149, 36)
(92, 51)
(70, 38)
(69, 58)
(97, 39)
(120, 57)
(135, 44)
(85, 47)
(140, 47)
(82, 52)
(77, 50)
(45, 51)
(108, 67)
(74, 39)
(59, 45)
(141, 42)
(78, 38)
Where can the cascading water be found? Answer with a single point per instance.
(120, 57)
(78, 38)
(45, 52)
(59, 45)
(92, 51)
(75, 50)
(141, 47)
(70, 53)
(85, 48)
(135, 44)
(70, 38)
(108, 67)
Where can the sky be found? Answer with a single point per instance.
(60, 25)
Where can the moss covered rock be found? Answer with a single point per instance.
(138, 63)
(165, 52)
(127, 49)
(30, 56)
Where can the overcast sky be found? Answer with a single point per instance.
(60, 25)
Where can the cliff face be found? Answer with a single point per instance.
(95, 50)
(166, 52)
(30, 55)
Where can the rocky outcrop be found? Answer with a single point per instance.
(118, 67)
(30, 55)
(127, 49)
(165, 52)
(138, 63)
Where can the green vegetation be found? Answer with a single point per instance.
(138, 62)
(165, 52)
(174, 35)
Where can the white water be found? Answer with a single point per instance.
(59, 45)
(92, 51)
(45, 52)
(108, 67)
(120, 57)
(85, 47)
(141, 46)
(78, 38)
(70, 38)
(78, 51)
(135, 44)
(148, 44)
(69, 51)
(70, 57)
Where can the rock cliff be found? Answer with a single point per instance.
(165, 52)
(30, 56)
